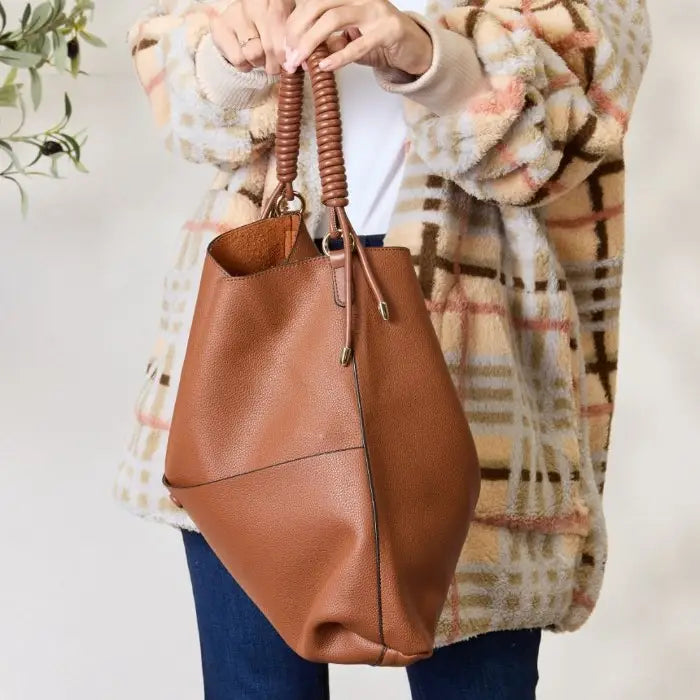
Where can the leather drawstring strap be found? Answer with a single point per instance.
(371, 279)
(334, 184)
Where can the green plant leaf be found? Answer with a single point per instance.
(60, 50)
(19, 104)
(10, 78)
(35, 87)
(3, 18)
(7, 148)
(26, 15)
(92, 39)
(21, 59)
(75, 65)
(40, 17)
(68, 107)
(73, 144)
(8, 96)
(46, 48)
(24, 200)
(58, 7)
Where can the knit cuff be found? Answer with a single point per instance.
(453, 76)
(224, 85)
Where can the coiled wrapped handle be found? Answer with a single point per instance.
(289, 105)
(334, 182)
(329, 131)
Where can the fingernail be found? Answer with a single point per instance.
(324, 64)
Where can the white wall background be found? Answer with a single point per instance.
(95, 604)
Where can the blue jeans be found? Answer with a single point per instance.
(243, 657)
(375, 240)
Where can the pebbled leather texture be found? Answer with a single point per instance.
(338, 495)
(337, 260)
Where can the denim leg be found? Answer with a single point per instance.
(493, 666)
(243, 657)
(371, 241)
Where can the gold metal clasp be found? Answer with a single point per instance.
(325, 243)
(283, 205)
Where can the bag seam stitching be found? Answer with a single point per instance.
(375, 519)
(169, 485)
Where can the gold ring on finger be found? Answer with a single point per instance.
(243, 44)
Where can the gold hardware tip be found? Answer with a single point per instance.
(384, 310)
(345, 356)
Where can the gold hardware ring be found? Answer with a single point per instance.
(325, 243)
(282, 205)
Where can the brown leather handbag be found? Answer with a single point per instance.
(336, 487)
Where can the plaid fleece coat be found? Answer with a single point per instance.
(512, 206)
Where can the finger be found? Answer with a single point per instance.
(251, 46)
(305, 14)
(278, 12)
(272, 66)
(269, 19)
(277, 43)
(226, 41)
(244, 29)
(337, 42)
(353, 52)
(352, 33)
(328, 24)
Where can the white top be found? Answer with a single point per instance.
(374, 138)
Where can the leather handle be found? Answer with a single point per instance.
(329, 132)
(334, 183)
(289, 105)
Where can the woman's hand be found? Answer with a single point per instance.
(371, 32)
(250, 33)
